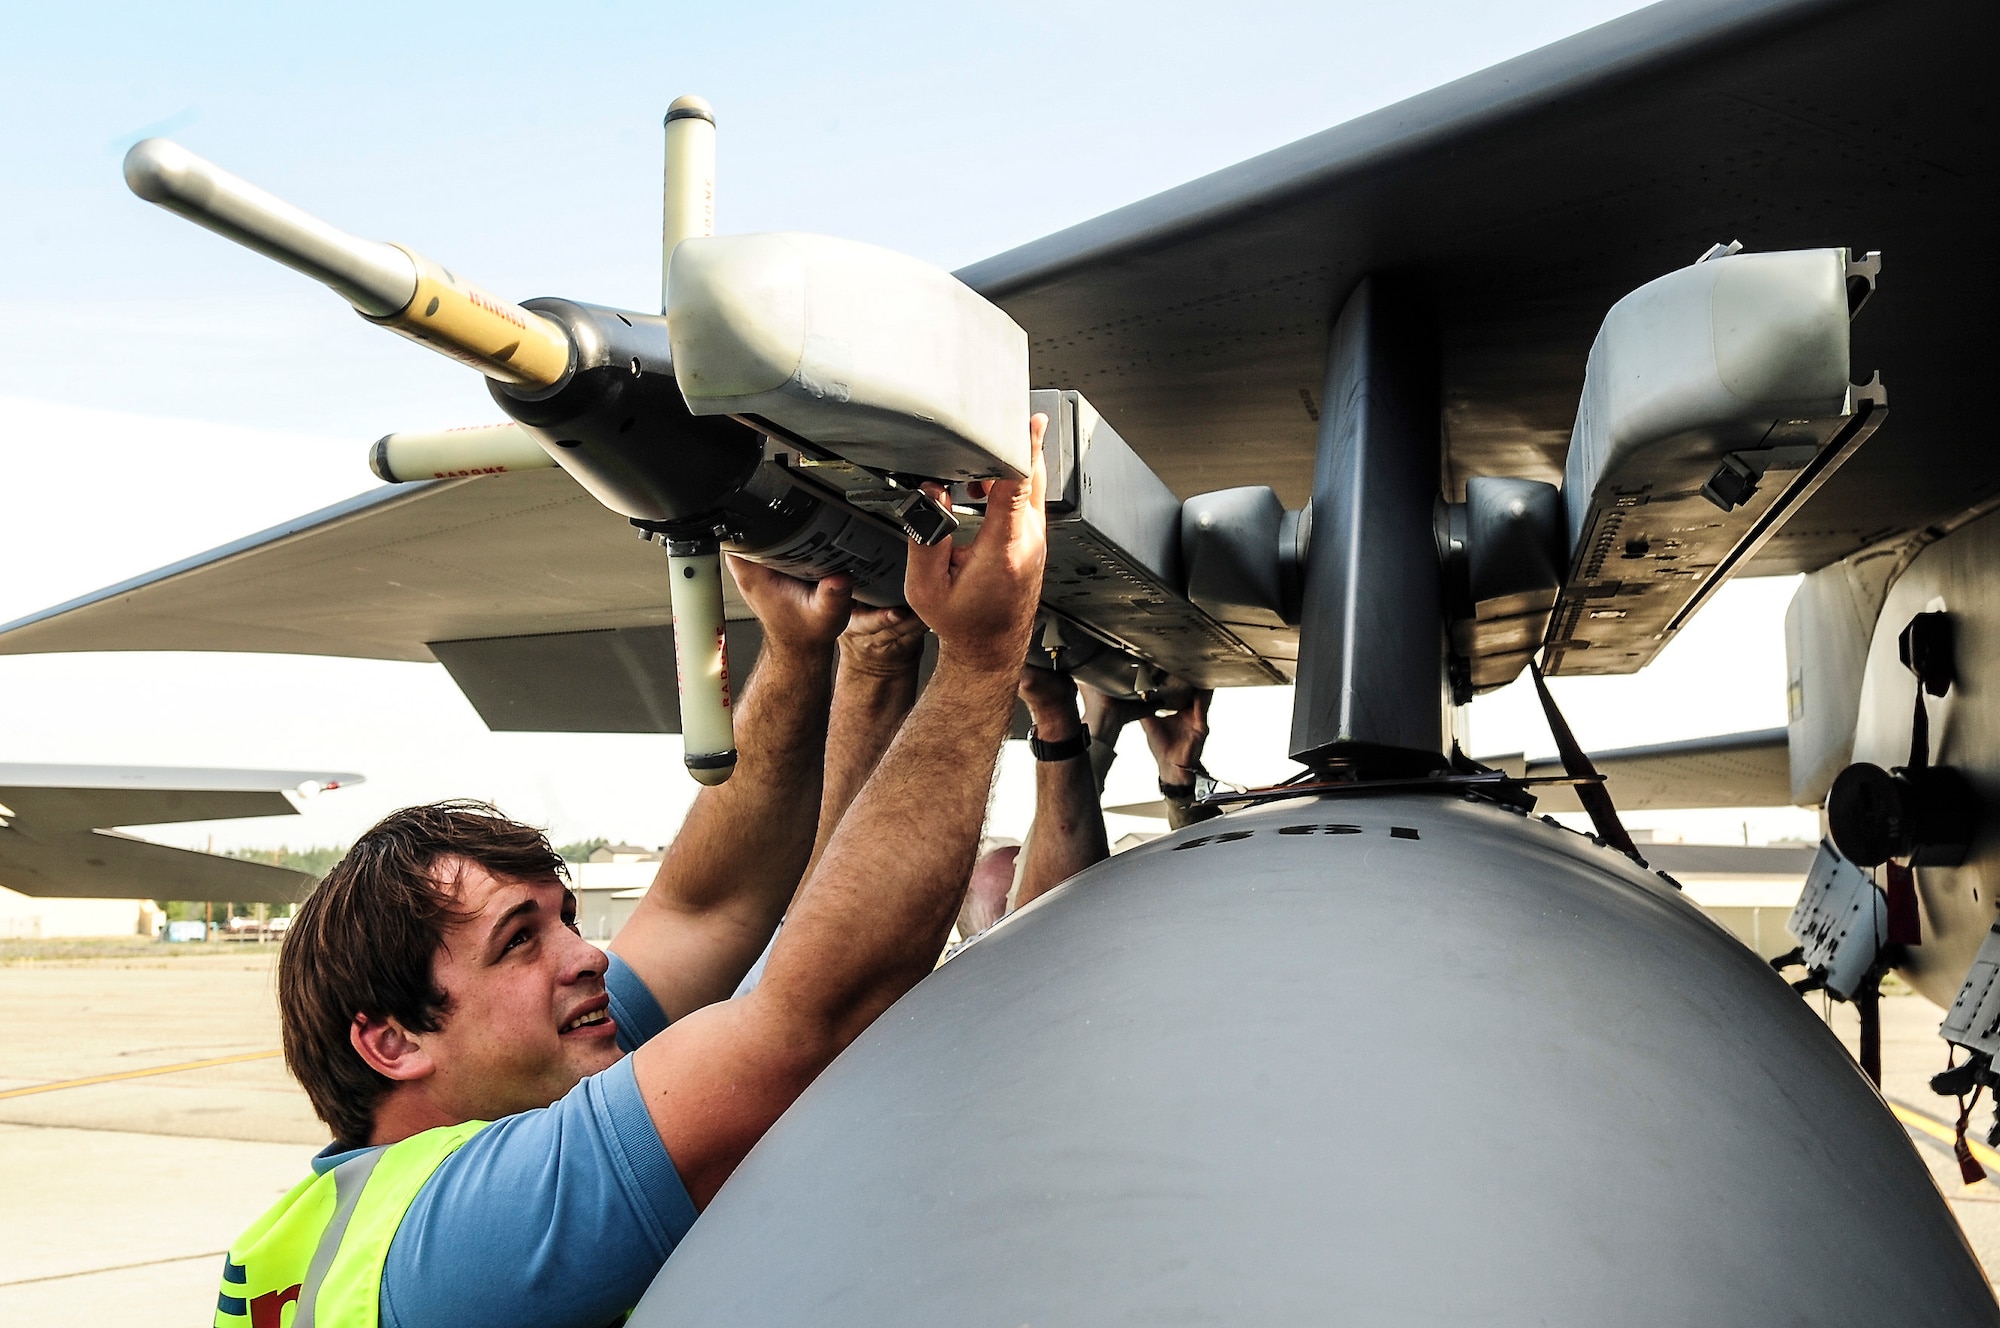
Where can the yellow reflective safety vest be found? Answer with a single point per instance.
(315, 1259)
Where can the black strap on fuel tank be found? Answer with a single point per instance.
(1926, 647)
(1596, 799)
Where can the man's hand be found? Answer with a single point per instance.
(1050, 696)
(882, 643)
(1108, 715)
(1177, 739)
(795, 613)
(873, 691)
(1068, 831)
(986, 894)
(980, 597)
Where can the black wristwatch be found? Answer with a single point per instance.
(1067, 750)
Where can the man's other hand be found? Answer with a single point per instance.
(1108, 715)
(883, 643)
(1176, 739)
(980, 597)
(986, 895)
(801, 614)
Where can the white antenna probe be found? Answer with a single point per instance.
(687, 205)
(708, 729)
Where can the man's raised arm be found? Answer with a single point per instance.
(729, 874)
(1068, 830)
(871, 918)
(874, 688)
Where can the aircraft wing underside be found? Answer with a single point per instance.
(383, 574)
(1525, 200)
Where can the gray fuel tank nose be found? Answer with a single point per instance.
(1392, 1060)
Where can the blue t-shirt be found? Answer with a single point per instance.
(558, 1217)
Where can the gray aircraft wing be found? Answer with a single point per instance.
(549, 612)
(1728, 770)
(57, 836)
(1526, 198)
(383, 574)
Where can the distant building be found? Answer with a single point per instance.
(625, 853)
(608, 889)
(32, 918)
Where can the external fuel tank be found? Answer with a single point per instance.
(1396, 1059)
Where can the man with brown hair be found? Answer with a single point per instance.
(434, 983)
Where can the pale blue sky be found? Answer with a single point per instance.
(521, 144)
(162, 391)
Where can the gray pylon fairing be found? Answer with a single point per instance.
(1263, 1072)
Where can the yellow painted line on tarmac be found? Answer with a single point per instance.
(157, 1069)
(1944, 1134)
(114, 1268)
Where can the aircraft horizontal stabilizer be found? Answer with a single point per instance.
(56, 837)
(98, 864)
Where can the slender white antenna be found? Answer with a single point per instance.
(708, 729)
(687, 205)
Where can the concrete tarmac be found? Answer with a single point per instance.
(121, 1196)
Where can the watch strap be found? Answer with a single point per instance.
(1067, 750)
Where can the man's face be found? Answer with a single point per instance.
(528, 1015)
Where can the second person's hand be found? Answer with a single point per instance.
(882, 642)
(804, 615)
